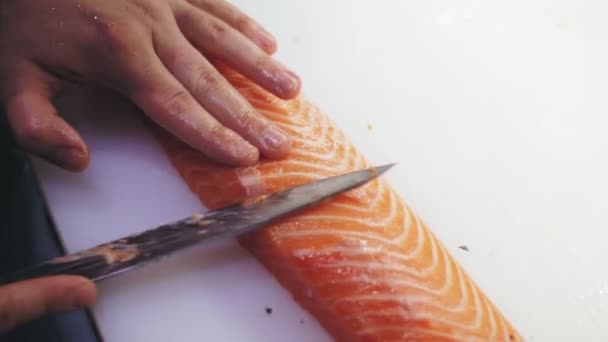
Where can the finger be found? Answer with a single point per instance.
(216, 38)
(23, 301)
(39, 129)
(171, 106)
(219, 97)
(240, 21)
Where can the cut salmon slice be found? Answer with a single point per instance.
(363, 263)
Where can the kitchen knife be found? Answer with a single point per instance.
(115, 257)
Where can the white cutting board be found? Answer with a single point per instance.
(496, 113)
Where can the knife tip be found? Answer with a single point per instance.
(379, 170)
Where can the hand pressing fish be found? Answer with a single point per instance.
(156, 54)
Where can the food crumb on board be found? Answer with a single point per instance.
(269, 310)
(296, 39)
(464, 247)
(370, 126)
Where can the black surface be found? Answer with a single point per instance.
(27, 236)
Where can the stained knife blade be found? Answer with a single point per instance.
(121, 255)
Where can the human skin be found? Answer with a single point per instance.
(157, 54)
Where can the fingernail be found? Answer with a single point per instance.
(276, 141)
(265, 40)
(289, 83)
(247, 153)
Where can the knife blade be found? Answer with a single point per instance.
(121, 255)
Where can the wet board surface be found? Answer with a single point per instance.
(495, 114)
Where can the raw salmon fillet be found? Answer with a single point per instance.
(363, 264)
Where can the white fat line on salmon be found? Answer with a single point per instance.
(285, 110)
(409, 315)
(325, 146)
(379, 267)
(415, 331)
(314, 167)
(424, 301)
(469, 293)
(303, 122)
(467, 283)
(315, 135)
(361, 193)
(356, 210)
(333, 219)
(404, 313)
(425, 272)
(306, 145)
(340, 140)
(437, 246)
(410, 272)
(314, 174)
(251, 180)
(410, 301)
(327, 157)
(502, 321)
(304, 177)
(396, 241)
(296, 126)
(317, 160)
(308, 176)
(300, 110)
(322, 232)
(327, 162)
(318, 134)
(376, 269)
(377, 252)
(491, 316)
(302, 115)
(479, 300)
(372, 208)
(357, 224)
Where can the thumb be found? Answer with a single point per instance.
(40, 130)
(26, 300)
(26, 93)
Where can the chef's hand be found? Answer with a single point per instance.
(24, 301)
(154, 52)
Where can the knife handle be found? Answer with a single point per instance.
(112, 258)
(96, 263)
(89, 266)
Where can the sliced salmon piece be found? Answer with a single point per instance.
(363, 263)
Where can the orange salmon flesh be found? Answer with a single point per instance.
(363, 263)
